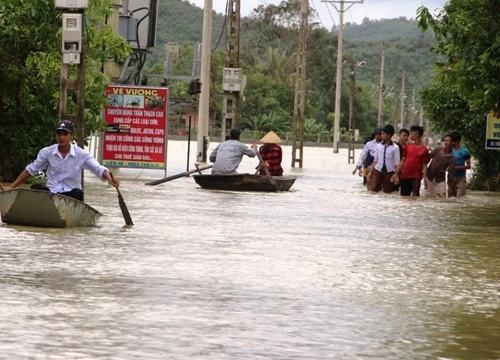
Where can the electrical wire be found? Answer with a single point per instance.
(317, 12)
(331, 16)
(222, 31)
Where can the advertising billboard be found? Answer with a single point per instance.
(493, 131)
(136, 136)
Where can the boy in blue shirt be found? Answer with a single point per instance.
(457, 186)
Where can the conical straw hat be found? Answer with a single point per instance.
(271, 138)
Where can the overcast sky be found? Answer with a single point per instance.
(373, 9)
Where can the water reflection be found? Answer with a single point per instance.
(325, 271)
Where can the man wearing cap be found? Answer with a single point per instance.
(228, 154)
(271, 154)
(385, 162)
(64, 162)
(367, 156)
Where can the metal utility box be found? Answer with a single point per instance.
(232, 79)
(146, 13)
(71, 38)
(72, 4)
(128, 28)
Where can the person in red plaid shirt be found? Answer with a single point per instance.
(272, 154)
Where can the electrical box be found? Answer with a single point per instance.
(128, 27)
(146, 13)
(232, 79)
(71, 38)
(72, 4)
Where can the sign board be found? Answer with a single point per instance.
(136, 136)
(493, 131)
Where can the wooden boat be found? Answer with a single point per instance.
(243, 182)
(45, 209)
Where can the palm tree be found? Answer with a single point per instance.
(314, 130)
(281, 67)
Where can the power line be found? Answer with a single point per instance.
(331, 17)
(317, 12)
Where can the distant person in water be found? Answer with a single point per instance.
(385, 162)
(365, 162)
(413, 166)
(457, 186)
(442, 160)
(64, 162)
(227, 155)
(271, 154)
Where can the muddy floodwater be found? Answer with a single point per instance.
(325, 271)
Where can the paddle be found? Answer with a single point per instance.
(177, 176)
(123, 207)
(268, 174)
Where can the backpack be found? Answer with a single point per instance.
(369, 159)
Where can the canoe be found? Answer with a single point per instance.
(45, 209)
(243, 182)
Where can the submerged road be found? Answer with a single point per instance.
(327, 270)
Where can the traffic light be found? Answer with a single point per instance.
(198, 86)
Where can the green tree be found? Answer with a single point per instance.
(30, 45)
(467, 85)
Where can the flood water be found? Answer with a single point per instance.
(326, 271)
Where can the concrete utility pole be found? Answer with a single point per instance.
(411, 120)
(204, 108)
(341, 10)
(396, 107)
(231, 98)
(352, 87)
(300, 87)
(381, 89)
(402, 114)
(73, 53)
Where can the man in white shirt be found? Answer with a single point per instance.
(64, 162)
(385, 162)
(365, 162)
(228, 154)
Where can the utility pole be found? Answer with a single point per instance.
(341, 10)
(231, 98)
(412, 119)
(381, 89)
(300, 87)
(204, 107)
(396, 107)
(402, 114)
(73, 53)
(352, 72)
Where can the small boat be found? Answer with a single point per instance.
(45, 209)
(243, 182)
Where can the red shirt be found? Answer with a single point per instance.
(416, 157)
(272, 154)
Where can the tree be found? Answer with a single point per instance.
(30, 45)
(467, 86)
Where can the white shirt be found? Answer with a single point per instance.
(369, 148)
(391, 158)
(64, 174)
(227, 156)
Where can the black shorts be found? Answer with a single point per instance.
(410, 187)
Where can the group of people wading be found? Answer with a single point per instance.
(228, 154)
(402, 166)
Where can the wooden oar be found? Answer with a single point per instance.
(268, 174)
(123, 207)
(177, 176)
